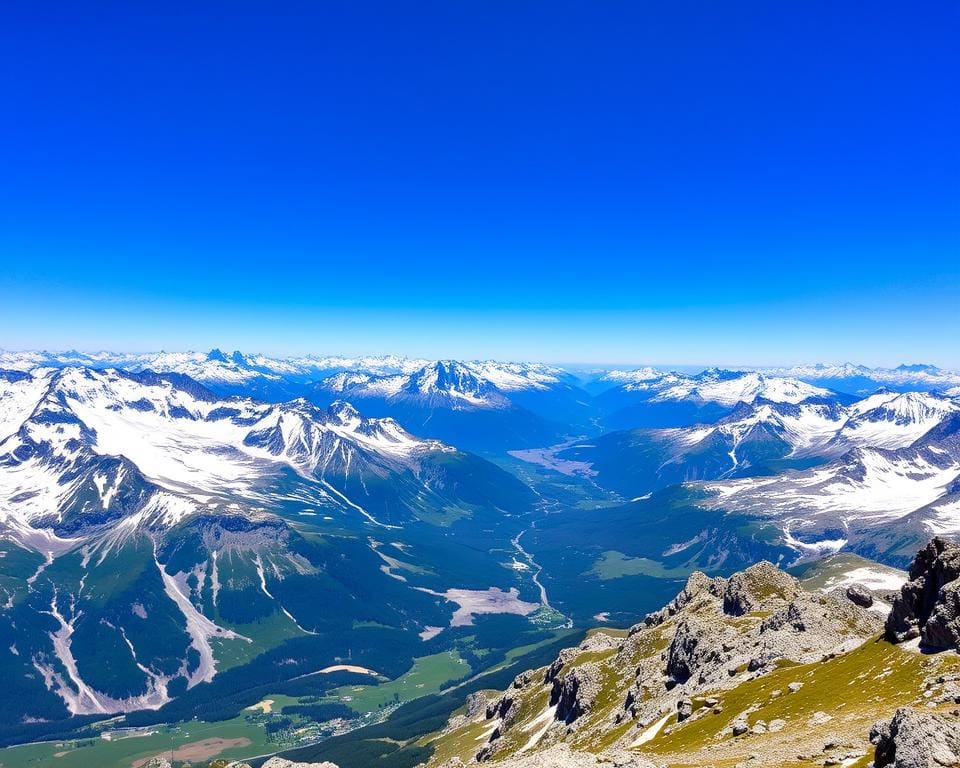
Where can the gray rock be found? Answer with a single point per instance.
(697, 584)
(916, 740)
(576, 692)
(694, 645)
(860, 595)
(475, 703)
(562, 756)
(749, 590)
(928, 605)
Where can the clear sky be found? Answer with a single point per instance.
(682, 182)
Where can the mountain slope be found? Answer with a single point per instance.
(648, 398)
(758, 438)
(156, 536)
(482, 406)
(751, 667)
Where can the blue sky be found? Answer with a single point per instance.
(675, 182)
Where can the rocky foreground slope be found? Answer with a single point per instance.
(752, 670)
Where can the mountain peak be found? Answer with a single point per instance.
(216, 356)
(343, 412)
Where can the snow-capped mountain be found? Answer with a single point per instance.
(727, 388)
(877, 501)
(272, 378)
(649, 398)
(759, 438)
(452, 383)
(860, 379)
(77, 438)
(151, 530)
(481, 405)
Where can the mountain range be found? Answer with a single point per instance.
(155, 534)
(183, 534)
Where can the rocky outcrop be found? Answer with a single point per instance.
(697, 584)
(695, 645)
(928, 606)
(760, 584)
(629, 694)
(562, 756)
(158, 762)
(281, 762)
(575, 693)
(917, 740)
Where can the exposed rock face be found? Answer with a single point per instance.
(575, 693)
(697, 583)
(280, 762)
(561, 756)
(694, 645)
(916, 740)
(751, 589)
(627, 694)
(928, 606)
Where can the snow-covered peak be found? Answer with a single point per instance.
(513, 377)
(917, 376)
(866, 486)
(636, 375)
(886, 420)
(448, 383)
(728, 388)
(88, 440)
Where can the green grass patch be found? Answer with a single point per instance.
(614, 565)
(428, 675)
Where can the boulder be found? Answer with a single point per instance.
(915, 739)
(859, 594)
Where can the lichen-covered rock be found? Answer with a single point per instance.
(575, 693)
(501, 707)
(563, 659)
(476, 702)
(942, 629)
(928, 605)
(916, 740)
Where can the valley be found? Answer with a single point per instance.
(192, 567)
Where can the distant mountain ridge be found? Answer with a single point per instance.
(759, 438)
